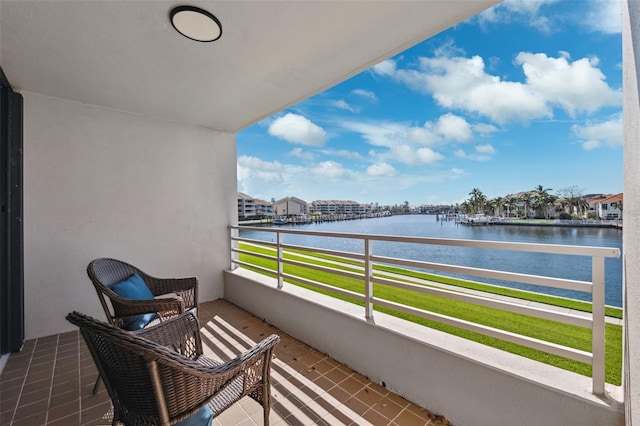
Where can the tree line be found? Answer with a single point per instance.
(538, 203)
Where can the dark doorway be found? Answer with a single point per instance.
(11, 209)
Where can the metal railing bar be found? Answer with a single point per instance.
(336, 253)
(532, 343)
(347, 293)
(565, 318)
(252, 266)
(254, 242)
(354, 275)
(489, 273)
(260, 255)
(497, 245)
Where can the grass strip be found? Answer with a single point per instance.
(551, 331)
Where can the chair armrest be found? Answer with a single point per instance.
(251, 363)
(205, 381)
(182, 334)
(123, 307)
(187, 288)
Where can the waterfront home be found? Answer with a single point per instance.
(253, 208)
(246, 207)
(347, 207)
(610, 208)
(290, 206)
(129, 133)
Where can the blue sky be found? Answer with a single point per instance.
(528, 93)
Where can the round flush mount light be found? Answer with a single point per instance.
(196, 24)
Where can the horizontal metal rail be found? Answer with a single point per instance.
(367, 269)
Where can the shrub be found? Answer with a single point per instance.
(565, 216)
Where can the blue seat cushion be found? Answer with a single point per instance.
(134, 288)
(204, 417)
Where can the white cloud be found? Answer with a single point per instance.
(483, 128)
(448, 128)
(367, 94)
(428, 156)
(330, 169)
(485, 149)
(604, 16)
(250, 168)
(575, 86)
(595, 15)
(295, 128)
(379, 133)
(407, 155)
(344, 105)
(603, 134)
(454, 127)
(462, 83)
(304, 155)
(526, 12)
(387, 67)
(381, 169)
(460, 153)
(352, 155)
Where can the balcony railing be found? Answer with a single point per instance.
(367, 258)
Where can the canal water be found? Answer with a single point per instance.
(561, 266)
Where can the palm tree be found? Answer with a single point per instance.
(551, 201)
(511, 201)
(542, 199)
(498, 203)
(477, 199)
(526, 199)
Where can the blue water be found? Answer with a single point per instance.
(561, 266)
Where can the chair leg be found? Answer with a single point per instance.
(266, 401)
(96, 386)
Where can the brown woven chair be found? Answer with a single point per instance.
(178, 294)
(158, 375)
(104, 272)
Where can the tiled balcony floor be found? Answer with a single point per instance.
(50, 382)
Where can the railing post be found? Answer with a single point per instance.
(368, 284)
(598, 325)
(234, 245)
(280, 264)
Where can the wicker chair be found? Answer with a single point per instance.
(104, 272)
(178, 294)
(158, 375)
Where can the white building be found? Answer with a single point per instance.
(246, 206)
(290, 206)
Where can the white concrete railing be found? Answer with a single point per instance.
(596, 322)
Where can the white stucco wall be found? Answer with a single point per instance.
(631, 230)
(103, 183)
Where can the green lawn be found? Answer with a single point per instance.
(551, 331)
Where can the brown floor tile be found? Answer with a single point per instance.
(57, 374)
(408, 418)
(72, 420)
(64, 410)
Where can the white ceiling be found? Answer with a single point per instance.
(272, 54)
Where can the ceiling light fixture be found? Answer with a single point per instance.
(196, 24)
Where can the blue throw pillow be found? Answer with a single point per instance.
(203, 417)
(134, 288)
